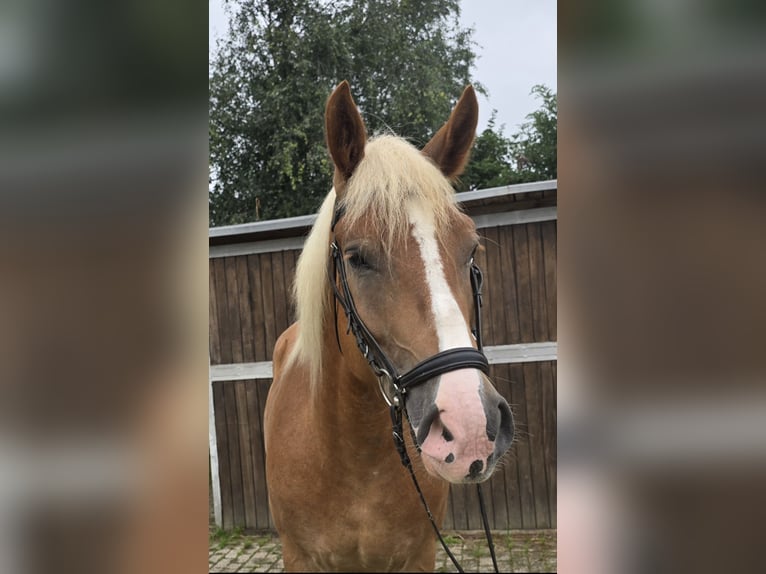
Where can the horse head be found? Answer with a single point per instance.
(407, 255)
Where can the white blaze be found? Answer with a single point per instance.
(458, 397)
(450, 325)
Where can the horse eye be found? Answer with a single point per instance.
(357, 261)
(473, 255)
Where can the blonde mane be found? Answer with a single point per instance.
(392, 173)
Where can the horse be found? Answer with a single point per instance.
(393, 248)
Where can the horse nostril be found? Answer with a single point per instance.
(505, 431)
(475, 469)
(500, 425)
(424, 427)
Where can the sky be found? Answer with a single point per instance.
(516, 50)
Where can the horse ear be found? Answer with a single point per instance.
(346, 136)
(451, 145)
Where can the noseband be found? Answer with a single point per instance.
(435, 365)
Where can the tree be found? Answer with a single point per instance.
(529, 155)
(533, 149)
(490, 162)
(407, 62)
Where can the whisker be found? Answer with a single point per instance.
(486, 239)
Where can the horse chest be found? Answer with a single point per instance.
(363, 541)
(358, 523)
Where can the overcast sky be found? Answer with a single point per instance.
(517, 49)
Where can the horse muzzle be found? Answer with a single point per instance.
(464, 429)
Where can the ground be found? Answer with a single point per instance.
(516, 551)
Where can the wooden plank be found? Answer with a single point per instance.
(523, 284)
(255, 247)
(497, 490)
(449, 522)
(281, 292)
(492, 293)
(510, 463)
(536, 444)
(481, 261)
(242, 371)
(222, 305)
(537, 282)
(290, 259)
(245, 453)
(526, 492)
(496, 355)
(512, 468)
(510, 296)
(493, 281)
(263, 392)
(245, 311)
(459, 517)
(213, 462)
(235, 466)
(473, 511)
(214, 348)
(516, 467)
(256, 399)
(256, 304)
(234, 333)
(267, 291)
(548, 388)
(549, 248)
(493, 314)
(518, 353)
(548, 381)
(224, 469)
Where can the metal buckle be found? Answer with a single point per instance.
(384, 374)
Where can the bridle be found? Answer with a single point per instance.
(435, 365)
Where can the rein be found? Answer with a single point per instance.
(381, 365)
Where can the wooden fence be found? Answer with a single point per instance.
(251, 270)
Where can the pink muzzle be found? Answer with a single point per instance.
(461, 443)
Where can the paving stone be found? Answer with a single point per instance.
(535, 551)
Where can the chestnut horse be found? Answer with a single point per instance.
(340, 498)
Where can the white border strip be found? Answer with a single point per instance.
(292, 243)
(496, 355)
(522, 353)
(515, 217)
(252, 247)
(213, 439)
(263, 226)
(547, 185)
(308, 220)
(241, 371)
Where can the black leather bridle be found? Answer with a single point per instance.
(435, 365)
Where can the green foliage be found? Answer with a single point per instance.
(529, 155)
(533, 149)
(490, 163)
(220, 538)
(407, 63)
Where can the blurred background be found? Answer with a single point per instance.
(662, 406)
(103, 153)
(103, 306)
